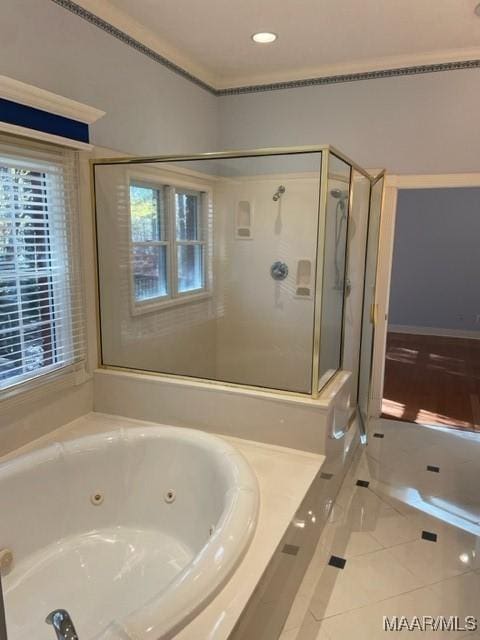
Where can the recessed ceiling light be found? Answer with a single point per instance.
(264, 37)
(477, 10)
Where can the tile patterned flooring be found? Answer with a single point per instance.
(410, 539)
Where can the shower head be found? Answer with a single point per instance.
(338, 194)
(278, 193)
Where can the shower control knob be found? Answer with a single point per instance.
(279, 270)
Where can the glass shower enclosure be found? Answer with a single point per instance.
(226, 267)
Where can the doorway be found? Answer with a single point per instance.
(432, 342)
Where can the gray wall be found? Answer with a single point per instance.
(418, 124)
(436, 259)
(149, 108)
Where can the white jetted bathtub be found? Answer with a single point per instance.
(132, 532)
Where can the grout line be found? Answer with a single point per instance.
(365, 606)
(383, 501)
(448, 578)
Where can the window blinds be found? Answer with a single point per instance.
(41, 302)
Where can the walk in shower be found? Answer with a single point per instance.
(229, 267)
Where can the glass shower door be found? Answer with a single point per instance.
(206, 267)
(369, 306)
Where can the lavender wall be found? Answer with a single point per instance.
(412, 124)
(436, 259)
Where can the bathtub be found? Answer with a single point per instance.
(132, 531)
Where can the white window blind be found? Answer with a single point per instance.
(41, 301)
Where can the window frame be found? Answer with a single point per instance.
(58, 285)
(200, 241)
(173, 297)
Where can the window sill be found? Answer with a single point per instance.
(157, 305)
(66, 378)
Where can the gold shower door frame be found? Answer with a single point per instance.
(326, 152)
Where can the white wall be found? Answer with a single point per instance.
(149, 108)
(419, 124)
(265, 331)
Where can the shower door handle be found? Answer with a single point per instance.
(373, 314)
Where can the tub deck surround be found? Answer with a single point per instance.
(239, 412)
(283, 477)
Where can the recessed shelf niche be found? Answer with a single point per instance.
(243, 220)
(304, 277)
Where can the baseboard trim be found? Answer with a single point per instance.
(433, 331)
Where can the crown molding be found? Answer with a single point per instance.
(352, 77)
(118, 24)
(433, 181)
(120, 20)
(37, 98)
(389, 63)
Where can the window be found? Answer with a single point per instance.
(41, 321)
(188, 239)
(149, 245)
(167, 243)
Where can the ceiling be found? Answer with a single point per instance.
(212, 39)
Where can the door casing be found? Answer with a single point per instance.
(393, 184)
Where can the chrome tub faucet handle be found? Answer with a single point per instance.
(63, 625)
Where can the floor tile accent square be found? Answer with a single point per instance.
(432, 467)
(378, 435)
(336, 561)
(362, 483)
(326, 476)
(428, 535)
(291, 549)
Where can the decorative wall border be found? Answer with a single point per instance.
(352, 77)
(274, 86)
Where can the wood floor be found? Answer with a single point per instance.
(432, 380)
